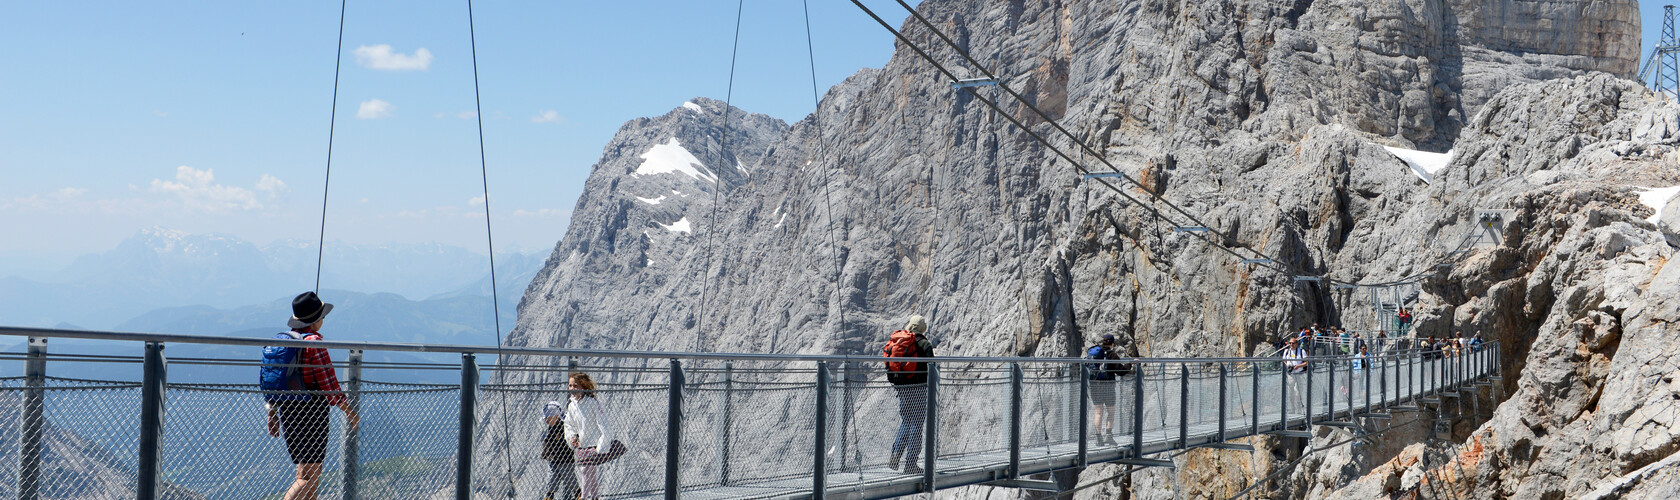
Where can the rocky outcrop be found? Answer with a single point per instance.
(900, 196)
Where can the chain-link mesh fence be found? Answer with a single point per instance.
(747, 427)
(86, 432)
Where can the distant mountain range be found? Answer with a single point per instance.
(166, 280)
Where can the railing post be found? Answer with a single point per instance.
(1221, 402)
(1367, 364)
(1184, 405)
(1283, 396)
(153, 375)
(34, 420)
(1084, 413)
(850, 416)
(673, 433)
(1254, 395)
(1311, 367)
(352, 445)
(1382, 380)
(819, 462)
(727, 421)
(1330, 390)
(465, 426)
(1137, 409)
(930, 428)
(1016, 379)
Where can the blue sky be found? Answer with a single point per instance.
(213, 116)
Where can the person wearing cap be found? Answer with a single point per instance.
(1102, 386)
(562, 475)
(912, 399)
(304, 422)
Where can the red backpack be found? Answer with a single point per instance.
(902, 344)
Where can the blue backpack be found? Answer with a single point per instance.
(277, 376)
(1098, 372)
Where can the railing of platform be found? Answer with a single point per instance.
(695, 425)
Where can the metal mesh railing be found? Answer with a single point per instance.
(747, 427)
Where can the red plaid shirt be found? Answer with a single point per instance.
(320, 377)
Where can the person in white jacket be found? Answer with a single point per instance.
(589, 429)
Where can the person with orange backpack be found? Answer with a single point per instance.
(909, 378)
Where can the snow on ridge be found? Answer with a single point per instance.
(694, 107)
(672, 157)
(1656, 198)
(650, 201)
(1424, 164)
(680, 226)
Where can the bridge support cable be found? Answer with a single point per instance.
(149, 466)
(1022, 101)
(828, 198)
(332, 126)
(34, 420)
(490, 248)
(717, 187)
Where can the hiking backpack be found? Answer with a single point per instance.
(902, 344)
(1099, 371)
(277, 376)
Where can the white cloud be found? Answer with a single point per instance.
(373, 109)
(548, 116)
(160, 114)
(271, 185)
(467, 115)
(476, 200)
(71, 192)
(364, 200)
(380, 57)
(197, 190)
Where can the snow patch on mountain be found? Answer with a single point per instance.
(672, 157)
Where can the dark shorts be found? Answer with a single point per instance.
(304, 423)
(1102, 392)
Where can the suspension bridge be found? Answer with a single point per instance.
(696, 425)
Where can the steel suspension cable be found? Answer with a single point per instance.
(1274, 264)
(332, 125)
(828, 203)
(717, 179)
(490, 244)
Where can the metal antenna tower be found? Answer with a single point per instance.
(1666, 57)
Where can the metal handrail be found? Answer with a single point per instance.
(551, 352)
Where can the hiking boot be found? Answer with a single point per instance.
(912, 469)
(892, 462)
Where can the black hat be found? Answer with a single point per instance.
(307, 308)
(1107, 338)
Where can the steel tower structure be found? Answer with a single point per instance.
(1665, 58)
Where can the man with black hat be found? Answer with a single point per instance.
(304, 421)
(1102, 387)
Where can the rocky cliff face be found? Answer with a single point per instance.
(900, 196)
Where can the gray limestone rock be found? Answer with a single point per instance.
(1262, 120)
